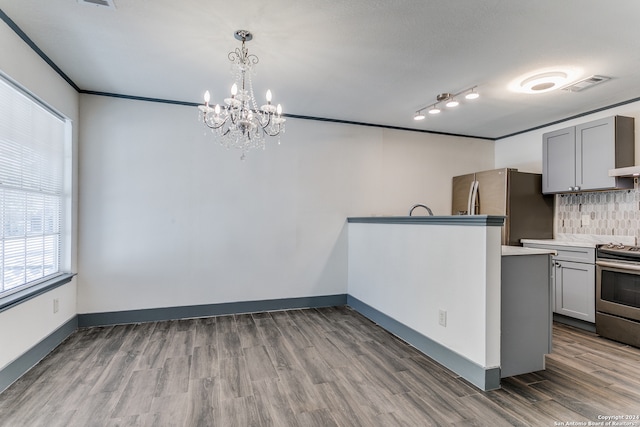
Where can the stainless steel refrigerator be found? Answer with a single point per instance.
(516, 195)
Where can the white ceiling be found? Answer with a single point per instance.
(366, 61)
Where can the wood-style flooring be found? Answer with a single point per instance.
(313, 367)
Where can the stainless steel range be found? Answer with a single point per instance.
(618, 293)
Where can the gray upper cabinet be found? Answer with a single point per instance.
(579, 158)
(558, 164)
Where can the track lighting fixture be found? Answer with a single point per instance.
(450, 100)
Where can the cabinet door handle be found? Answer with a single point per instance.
(577, 188)
(570, 188)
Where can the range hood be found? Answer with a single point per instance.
(631, 171)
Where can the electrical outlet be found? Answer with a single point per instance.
(442, 318)
(56, 305)
(586, 220)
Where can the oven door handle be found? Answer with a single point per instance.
(634, 267)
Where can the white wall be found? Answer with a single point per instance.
(27, 324)
(169, 218)
(524, 151)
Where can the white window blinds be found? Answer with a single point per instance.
(32, 141)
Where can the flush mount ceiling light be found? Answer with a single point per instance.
(448, 99)
(543, 82)
(239, 123)
(546, 80)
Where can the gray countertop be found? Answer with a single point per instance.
(473, 220)
(518, 250)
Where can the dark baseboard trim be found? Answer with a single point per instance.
(576, 323)
(206, 310)
(28, 360)
(17, 368)
(484, 379)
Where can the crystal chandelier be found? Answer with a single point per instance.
(239, 123)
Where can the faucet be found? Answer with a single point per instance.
(421, 206)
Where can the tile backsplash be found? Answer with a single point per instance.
(602, 213)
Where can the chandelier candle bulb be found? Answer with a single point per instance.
(268, 108)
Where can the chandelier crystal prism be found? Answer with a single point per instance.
(238, 122)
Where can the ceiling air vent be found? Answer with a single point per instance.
(586, 83)
(102, 3)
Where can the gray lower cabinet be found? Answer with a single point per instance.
(525, 314)
(578, 158)
(573, 275)
(575, 290)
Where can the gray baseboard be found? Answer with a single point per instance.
(22, 364)
(484, 379)
(28, 360)
(206, 310)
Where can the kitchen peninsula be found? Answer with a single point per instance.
(436, 283)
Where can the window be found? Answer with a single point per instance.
(32, 182)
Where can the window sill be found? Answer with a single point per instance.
(19, 297)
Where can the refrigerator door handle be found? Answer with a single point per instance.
(469, 211)
(474, 197)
